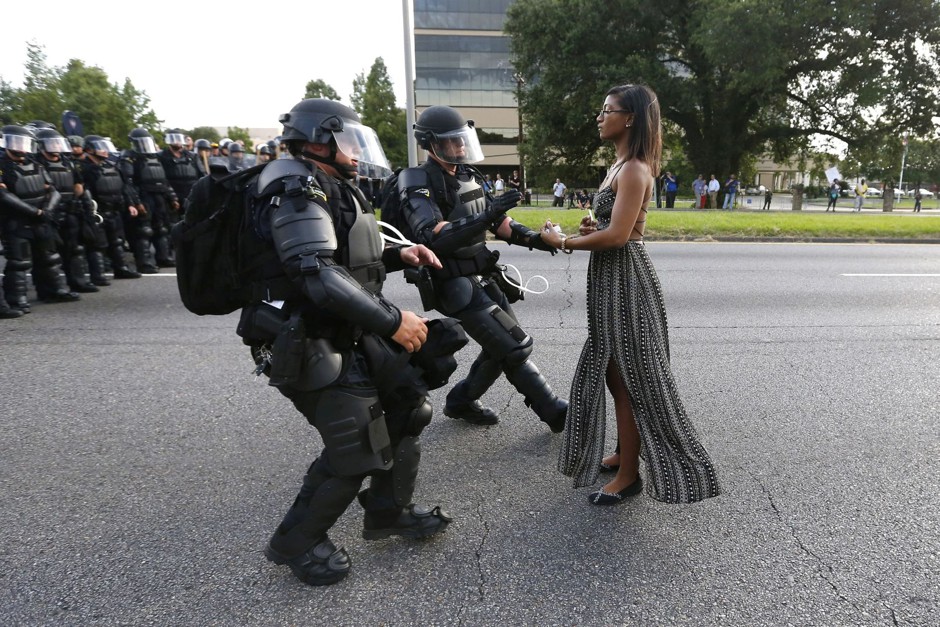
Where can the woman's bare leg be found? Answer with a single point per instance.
(627, 434)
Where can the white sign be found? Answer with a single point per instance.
(833, 174)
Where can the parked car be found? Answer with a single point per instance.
(925, 193)
(754, 191)
(874, 192)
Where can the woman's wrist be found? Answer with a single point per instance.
(561, 246)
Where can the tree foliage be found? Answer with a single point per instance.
(737, 78)
(205, 132)
(105, 108)
(374, 99)
(320, 89)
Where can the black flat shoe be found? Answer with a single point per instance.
(609, 467)
(606, 498)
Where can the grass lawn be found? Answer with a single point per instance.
(724, 224)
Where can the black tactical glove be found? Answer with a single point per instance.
(501, 204)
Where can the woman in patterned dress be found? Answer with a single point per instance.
(628, 344)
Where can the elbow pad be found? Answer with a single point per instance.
(420, 210)
(331, 287)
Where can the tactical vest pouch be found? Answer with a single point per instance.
(513, 293)
(421, 278)
(260, 323)
(287, 353)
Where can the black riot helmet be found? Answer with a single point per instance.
(52, 142)
(443, 132)
(99, 146)
(76, 141)
(142, 141)
(203, 144)
(18, 140)
(236, 156)
(324, 121)
(175, 138)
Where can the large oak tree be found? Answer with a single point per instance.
(735, 78)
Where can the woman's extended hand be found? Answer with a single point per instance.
(550, 236)
(587, 225)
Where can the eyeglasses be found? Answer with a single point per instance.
(606, 111)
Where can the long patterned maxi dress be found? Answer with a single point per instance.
(627, 323)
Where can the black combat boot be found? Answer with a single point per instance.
(320, 565)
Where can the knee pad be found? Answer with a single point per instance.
(418, 419)
(78, 250)
(20, 265)
(146, 231)
(497, 333)
(352, 425)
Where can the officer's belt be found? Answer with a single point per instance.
(484, 262)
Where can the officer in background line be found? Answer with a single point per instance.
(444, 207)
(28, 205)
(67, 178)
(179, 164)
(116, 198)
(141, 166)
(356, 366)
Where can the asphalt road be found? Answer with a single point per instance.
(143, 466)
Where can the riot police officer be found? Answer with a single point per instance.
(203, 153)
(444, 207)
(179, 164)
(141, 166)
(75, 208)
(115, 198)
(28, 205)
(344, 355)
(236, 156)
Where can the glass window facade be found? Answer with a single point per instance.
(461, 14)
(463, 71)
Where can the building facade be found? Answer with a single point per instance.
(462, 60)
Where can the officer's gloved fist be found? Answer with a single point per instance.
(502, 204)
(538, 243)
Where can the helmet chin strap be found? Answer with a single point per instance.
(348, 171)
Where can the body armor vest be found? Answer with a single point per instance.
(109, 186)
(149, 174)
(471, 200)
(63, 178)
(361, 253)
(30, 185)
(180, 169)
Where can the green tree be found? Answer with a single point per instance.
(736, 78)
(320, 89)
(205, 132)
(374, 99)
(104, 108)
(238, 133)
(40, 98)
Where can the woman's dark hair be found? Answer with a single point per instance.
(646, 143)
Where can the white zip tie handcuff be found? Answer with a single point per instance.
(399, 238)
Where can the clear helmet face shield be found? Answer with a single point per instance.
(145, 145)
(103, 147)
(174, 139)
(362, 144)
(54, 145)
(19, 143)
(458, 146)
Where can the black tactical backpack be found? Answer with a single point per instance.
(209, 272)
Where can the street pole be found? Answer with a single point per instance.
(903, 161)
(408, 28)
(520, 81)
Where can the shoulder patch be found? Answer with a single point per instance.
(315, 193)
(424, 191)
